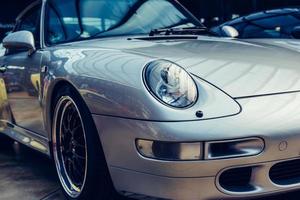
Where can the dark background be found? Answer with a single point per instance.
(210, 12)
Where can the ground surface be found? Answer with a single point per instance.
(27, 175)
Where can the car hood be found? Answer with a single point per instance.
(241, 68)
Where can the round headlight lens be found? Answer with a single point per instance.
(171, 84)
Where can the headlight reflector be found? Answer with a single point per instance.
(171, 84)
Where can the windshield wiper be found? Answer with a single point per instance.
(181, 31)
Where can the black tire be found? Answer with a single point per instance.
(5, 141)
(97, 183)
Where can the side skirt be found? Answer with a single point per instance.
(26, 137)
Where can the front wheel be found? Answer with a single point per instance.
(77, 152)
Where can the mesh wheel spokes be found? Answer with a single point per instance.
(71, 151)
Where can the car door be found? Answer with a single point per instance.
(23, 74)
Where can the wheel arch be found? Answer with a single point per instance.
(50, 101)
(51, 104)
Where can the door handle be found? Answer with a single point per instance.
(3, 68)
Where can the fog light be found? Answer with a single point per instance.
(174, 151)
(233, 148)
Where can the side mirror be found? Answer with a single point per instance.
(21, 40)
(230, 31)
(296, 32)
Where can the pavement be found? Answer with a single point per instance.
(29, 175)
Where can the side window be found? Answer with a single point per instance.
(31, 22)
(55, 30)
(62, 22)
(80, 19)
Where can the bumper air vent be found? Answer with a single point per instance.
(237, 180)
(286, 173)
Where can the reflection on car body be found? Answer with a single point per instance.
(137, 98)
(12, 82)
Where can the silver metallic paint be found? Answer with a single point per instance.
(263, 117)
(20, 39)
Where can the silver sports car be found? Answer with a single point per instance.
(136, 98)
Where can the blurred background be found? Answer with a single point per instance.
(210, 12)
(215, 12)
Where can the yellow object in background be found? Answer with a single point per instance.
(3, 93)
(36, 81)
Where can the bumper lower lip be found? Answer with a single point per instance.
(261, 180)
(135, 183)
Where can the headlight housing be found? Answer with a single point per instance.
(171, 84)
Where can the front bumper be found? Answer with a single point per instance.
(275, 119)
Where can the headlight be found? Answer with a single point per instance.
(171, 84)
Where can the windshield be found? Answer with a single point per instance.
(71, 20)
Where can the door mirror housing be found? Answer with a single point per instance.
(296, 32)
(229, 31)
(21, 40)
